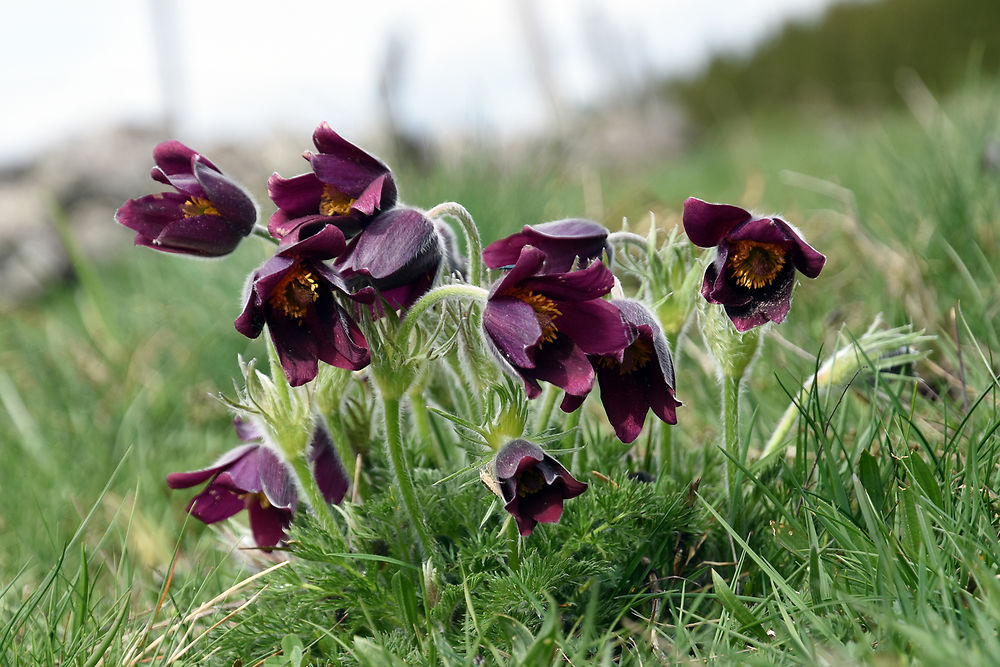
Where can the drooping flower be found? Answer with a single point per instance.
(533, 484)
(542, 326)
(346, 187)
(562, 241)
(756, 258)
(398, 253)
(293, 293)
(249, 477)
(642, 380)
(327, 468)
(208, 215)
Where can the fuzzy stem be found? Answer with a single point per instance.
(261, 232)
(318, 504)
(731, 431)
(473, 243)
(422, 422)
(401, 469)
(514, 557)
(665, 448)
(427, 300)
(340, 441)
(549, 396)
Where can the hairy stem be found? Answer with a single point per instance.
(401, 469)
(318, 504)
(473, 243)
(731, 432)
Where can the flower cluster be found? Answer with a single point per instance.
(347, 253)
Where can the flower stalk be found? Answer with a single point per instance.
(314, 496)
(401, 471)
(474, 244)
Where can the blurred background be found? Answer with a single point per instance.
(828, 110)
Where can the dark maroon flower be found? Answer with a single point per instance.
(543, 325)
(398, 253)
(293, 293)
(208, 215)
(346, 187)
(642, 380)
(327, 468)
(533, 484)
(562, 241)
(249, 477)
(755, 262)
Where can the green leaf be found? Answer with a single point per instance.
(868, 473)
(739, 610)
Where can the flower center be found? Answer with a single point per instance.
(530, 482)
(334, 202)
(636, 356)
(545, 310)
(198, 206)
(295, 292)
(753, 264)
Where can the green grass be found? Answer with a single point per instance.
(873, 541)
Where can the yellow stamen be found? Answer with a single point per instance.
(334, 202)
(637, 355)
(529, 482)
(295, 292)
(198, 206)
(753, 264)
(545, 310)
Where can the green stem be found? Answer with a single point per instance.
(474, 245)
(422, 423)
(427, 300)
(549, 396)
(514, 558)
(666, 450)
(401, 469)
(261, 232)
(340, 441)
(731, 432)
(318, 504)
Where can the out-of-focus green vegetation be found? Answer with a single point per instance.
(854, 59)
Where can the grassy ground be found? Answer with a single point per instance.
(873, 541)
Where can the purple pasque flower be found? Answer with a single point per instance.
(249, 477)
(543, 325)
(533, 484)
(208, 215)
(755, 262)
(327, 468)
(641, 380)
(346, 187)
(562, 241)
(293, 293)
(398, 253)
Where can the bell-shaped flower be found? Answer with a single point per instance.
(208, 215)
(756, 258)
(543, 325)
(533, 485)
(293, 293)
(642, 380)
(327, 468)
(346, 188)
(562, 241)
(398, 253)
(249, 477)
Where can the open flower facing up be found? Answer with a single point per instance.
(542, 326)
(249, 477)
(533, 484)
(755, 262)
(562, 241)
(293, 293)
(208, 215)
(346, 187)
(398, 253)
(642, 380)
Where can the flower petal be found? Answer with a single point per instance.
(707, 224)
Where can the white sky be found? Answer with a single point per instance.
(236, 67)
